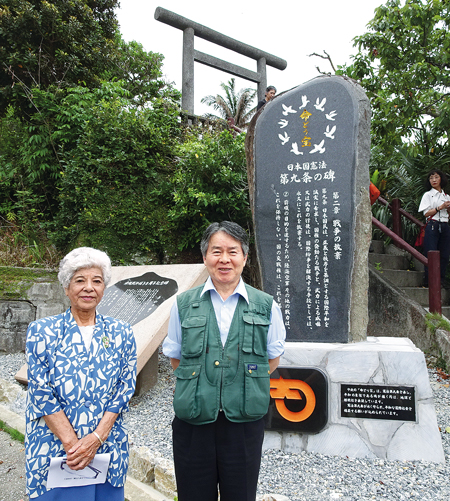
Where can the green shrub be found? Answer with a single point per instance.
(114, 190)
(209, 184)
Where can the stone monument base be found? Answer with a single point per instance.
(379, 362)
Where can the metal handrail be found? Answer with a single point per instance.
(402, 212)
(433, 260)
(401, 244)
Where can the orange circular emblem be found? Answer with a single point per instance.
(290, 389)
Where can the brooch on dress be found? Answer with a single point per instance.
(105, 341)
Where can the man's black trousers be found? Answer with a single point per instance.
(221, 455)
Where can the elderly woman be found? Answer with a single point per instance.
(82, 374)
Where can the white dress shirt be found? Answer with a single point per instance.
(432, 200)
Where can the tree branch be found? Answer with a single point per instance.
(326, 57)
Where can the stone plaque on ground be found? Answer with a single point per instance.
(378, 401)
(161, 282)
(298, 400)
(143, 297)
(136, 298)
(395, 403)
(308, 153)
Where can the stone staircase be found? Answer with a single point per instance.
(406, 273)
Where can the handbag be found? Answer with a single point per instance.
(420, 236)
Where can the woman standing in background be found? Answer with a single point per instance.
(435, 206)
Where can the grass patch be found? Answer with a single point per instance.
(435, 321)
(26, 248)
(14, 434)
(26, 257)
(14, 282)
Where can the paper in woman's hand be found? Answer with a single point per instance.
(60, 475)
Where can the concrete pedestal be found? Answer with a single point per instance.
(148, 376)
(377, 361)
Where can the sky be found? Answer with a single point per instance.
(291, 30)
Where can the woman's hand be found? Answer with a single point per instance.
(82, 453)
(79, 452)
(61, 427)
(433, 212)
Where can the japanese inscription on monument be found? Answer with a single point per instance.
(304, 155)
(136, 298)
(378, 402)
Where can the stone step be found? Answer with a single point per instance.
(421, 295)
(446, 311)
(403, 278)
(388, 262)
(138, 491)
(417, 265)
(377, 246)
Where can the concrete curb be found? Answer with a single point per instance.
(12, 419)
(138, 491)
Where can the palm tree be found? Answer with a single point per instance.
(234, 105)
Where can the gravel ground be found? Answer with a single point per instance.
(304, 476)
(12, 469)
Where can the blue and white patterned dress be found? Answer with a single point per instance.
(63, 375)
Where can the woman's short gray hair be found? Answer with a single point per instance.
(232, 229)
(84, 257)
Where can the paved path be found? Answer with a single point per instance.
(12, 469)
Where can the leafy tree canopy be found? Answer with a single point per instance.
(91, 148)
(404, 65)
(113, 190)
(209, 183)
(139, 71)
(44, 42)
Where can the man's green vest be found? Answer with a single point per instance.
(234, 378)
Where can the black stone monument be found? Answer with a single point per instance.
(304, 196)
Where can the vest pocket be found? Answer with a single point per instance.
(193, 335)
(185, 403)
(255, 335)
(256, 389)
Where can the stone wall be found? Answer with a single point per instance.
(41, 300)
(392, 313)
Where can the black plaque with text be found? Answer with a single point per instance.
(304, 155)
(136, 298)
(365, 401)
